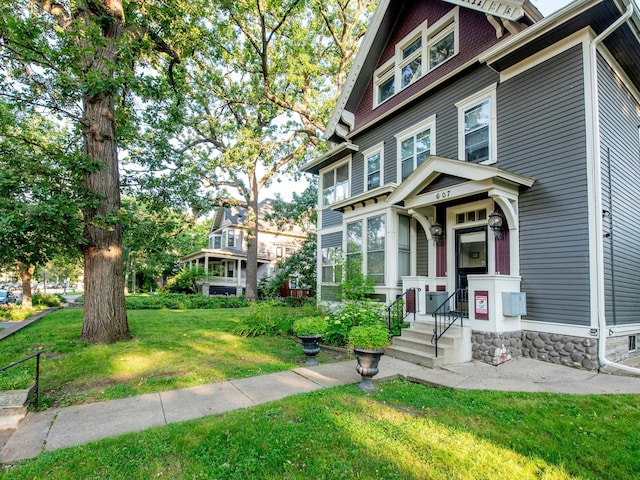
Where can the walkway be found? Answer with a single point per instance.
(65, 427)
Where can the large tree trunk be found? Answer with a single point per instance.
(252, 250)
(105, 315)
(26, 274)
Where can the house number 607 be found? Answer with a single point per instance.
(445, 194)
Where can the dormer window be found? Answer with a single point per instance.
(423, 50)
(411, 66)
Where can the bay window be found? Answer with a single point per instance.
(376, 233)
(335, 184)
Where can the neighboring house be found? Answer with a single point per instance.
(225, 260)
(486, 158)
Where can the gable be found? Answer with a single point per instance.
(443, 181)
(476, 30)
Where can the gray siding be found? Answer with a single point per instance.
(542, 134)
(357, 174)
(331, 240)
(331, 218)
(443, 181)
(620, 153)
(442, 104)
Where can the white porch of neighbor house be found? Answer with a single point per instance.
(225, 272)
(469, 305)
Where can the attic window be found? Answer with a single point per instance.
(423, 50)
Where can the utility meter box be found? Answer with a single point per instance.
(514, 304)
(434, 300)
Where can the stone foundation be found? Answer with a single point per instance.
(496, 348)
(577, 352)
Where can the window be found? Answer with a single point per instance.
(442, 43)
(376, 233)
(215, 241)
(335, 184)
(231, 238)
(471, 216)
(279, 252)
(411, 65)
(385, 82)
(414, 146)
(404, 247)
(330, 269)
(354, 247)
(632, 343)
(373, 161)
(477, 127)
(423, 50)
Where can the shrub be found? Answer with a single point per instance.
(46, 300)
(271, 318)
(310, 326)
(179, 301)
(369, 337)
(185, 281)
(348, 316)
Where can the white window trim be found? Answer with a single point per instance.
(381, 75)
(379, 148)
(337, 252)
(488, 93)
(430, 35)
(333, 166)
(444, 26)
(427, 123)
(419, 32)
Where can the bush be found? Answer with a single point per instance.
(310, 326)
(46, 300)
(369, 337)
(271, 318)
(349, 315)
(178, 301)
(185, 281)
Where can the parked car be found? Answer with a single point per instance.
(6, 297)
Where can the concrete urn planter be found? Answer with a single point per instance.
(367, 367)
(310, 347)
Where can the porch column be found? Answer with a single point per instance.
(239, 271)
(509, 207)
(206, 265)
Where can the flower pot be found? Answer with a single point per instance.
(310, 347)
(367, 367)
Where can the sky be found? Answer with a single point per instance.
(547, 7)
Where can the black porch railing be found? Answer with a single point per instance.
(37, 374)
(400, 309)
(454, 308)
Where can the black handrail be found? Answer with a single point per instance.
(446, 315)
(37, 385)
(396, 310)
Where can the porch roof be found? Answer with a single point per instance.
(474, 178)
(220, 254)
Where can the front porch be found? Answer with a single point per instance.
(481, 321)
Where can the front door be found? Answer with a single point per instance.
(471, 254)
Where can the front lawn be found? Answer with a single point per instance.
(406, 431)
(170, 349)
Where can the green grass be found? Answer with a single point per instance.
(170, 349)
(406, 431)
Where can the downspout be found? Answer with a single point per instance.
(602, 320)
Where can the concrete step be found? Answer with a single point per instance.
(414, 356)
(414, 345)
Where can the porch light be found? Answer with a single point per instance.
(495, 222)
(436, 232)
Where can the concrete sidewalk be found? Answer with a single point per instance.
(65, 427)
